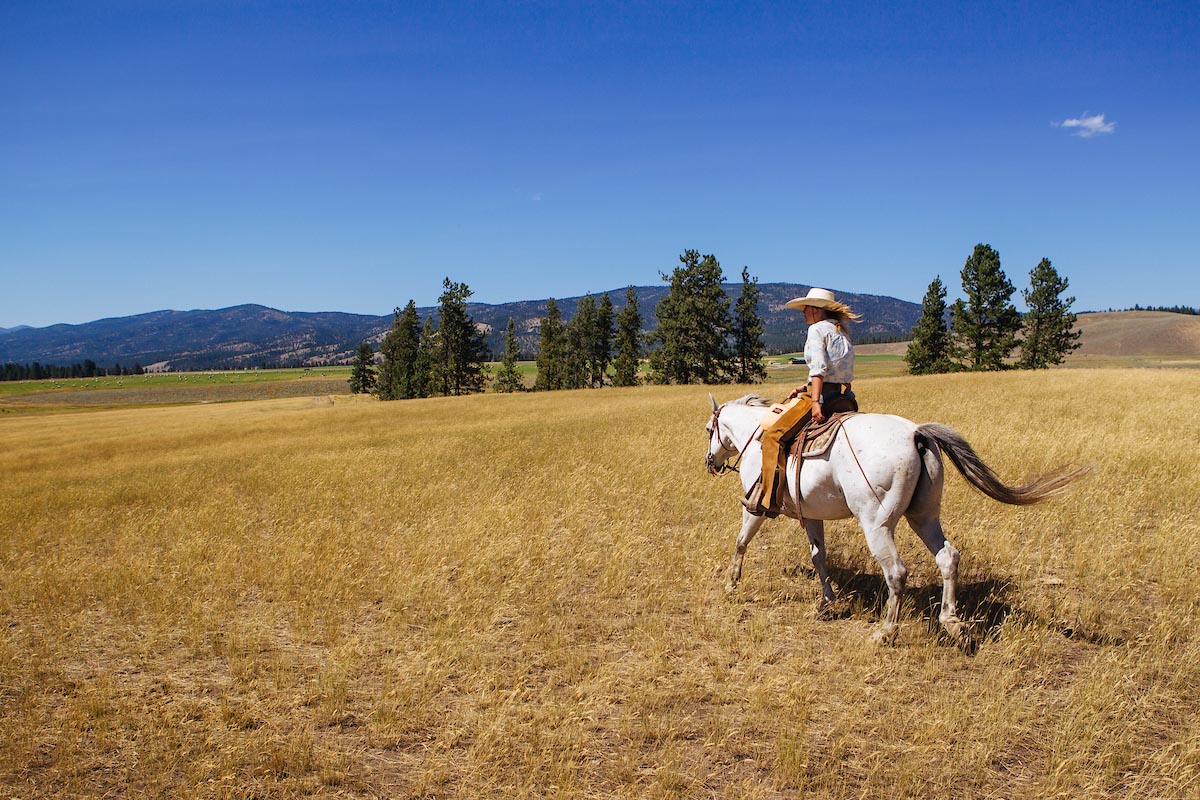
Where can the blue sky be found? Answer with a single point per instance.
(347, 156)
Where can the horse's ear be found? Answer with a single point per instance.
(713, 400)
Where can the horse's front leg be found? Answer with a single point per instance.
(750, 525)
(815, 529)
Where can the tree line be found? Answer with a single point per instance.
(443, 357)
(985, 328)
(86, 369)
(1190, 310)
(698, 339)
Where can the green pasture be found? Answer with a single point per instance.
(171, 388)
(780, 370)
(159, 379)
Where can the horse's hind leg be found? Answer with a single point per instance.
(929, 528)
(750, 525)
(882, 543)
(924, 515)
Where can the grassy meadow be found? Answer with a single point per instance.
(522, 596)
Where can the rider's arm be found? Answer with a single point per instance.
(817, 359)
(818, 382)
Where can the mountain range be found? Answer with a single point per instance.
(254, 335)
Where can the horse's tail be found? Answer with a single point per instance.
(981, 476)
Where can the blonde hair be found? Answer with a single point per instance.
(840, 314)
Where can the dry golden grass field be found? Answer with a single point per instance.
(522, 596)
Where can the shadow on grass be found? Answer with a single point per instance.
(984, 605)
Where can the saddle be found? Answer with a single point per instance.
(808, 440)
(815, 439)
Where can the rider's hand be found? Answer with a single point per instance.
(816, 413)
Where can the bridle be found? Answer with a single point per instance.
(713, 469)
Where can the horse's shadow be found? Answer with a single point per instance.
(984, 605)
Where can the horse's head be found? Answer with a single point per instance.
(728, 438)
(720, 448)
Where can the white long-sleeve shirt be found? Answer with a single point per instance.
(829, 353)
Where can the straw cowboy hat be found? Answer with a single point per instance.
(819, 298)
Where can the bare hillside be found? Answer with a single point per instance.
(1114, 333)
(1139, 333)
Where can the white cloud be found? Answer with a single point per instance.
(1087, 127)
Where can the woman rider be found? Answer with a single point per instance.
(830, 357)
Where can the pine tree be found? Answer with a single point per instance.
(601, 350)
(629, 342)
(551, 350)
(581, 334)
(387, 381)
(748, 328)
(423, 364)
(461, 345)
(928, 353)
(984, 328)
(508, 379)
(574, 358)
(398, 376)
(362, 372)
(693, 325)
(1049, 325)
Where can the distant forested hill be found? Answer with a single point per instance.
(241, 336)
(254, 335)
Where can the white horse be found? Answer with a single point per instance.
(879, 469)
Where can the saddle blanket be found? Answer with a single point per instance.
(816, 439)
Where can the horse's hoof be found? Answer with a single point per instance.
(955, 628)
(825, 611)
(960, 634)
(885, 636)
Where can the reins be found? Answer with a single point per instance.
(860, 467)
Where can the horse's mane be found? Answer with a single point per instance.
(751, 399)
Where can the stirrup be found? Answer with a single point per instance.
(752, 506)
(756, 509)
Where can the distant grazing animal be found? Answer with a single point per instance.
(879, 468)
